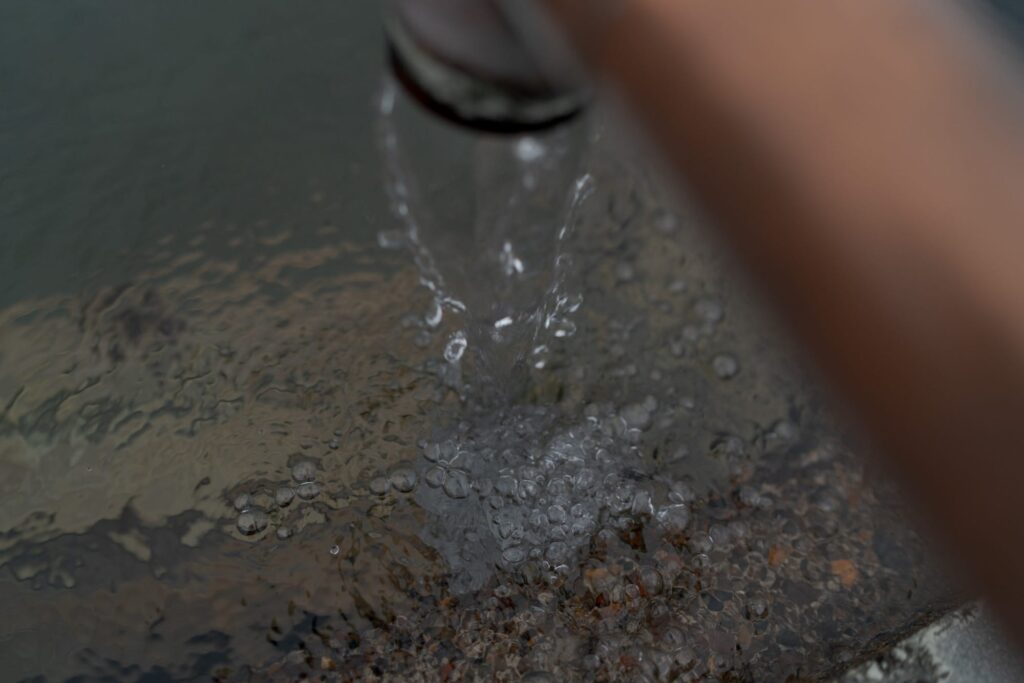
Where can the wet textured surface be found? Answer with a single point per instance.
(240, 437)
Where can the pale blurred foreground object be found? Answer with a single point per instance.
(865, 159)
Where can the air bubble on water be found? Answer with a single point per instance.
(252, 521)
(304, 471)
(677, 286)
(513, 555)
(557, 553)
(784, 430)
(665, 221)
(725, 366)
(674, 518)
(506, 485)
(528, 489)
(642, 504)
(403, 479)
(749, 496)
(709, 310)
(283, 496)
(432, 452)
(308, 490)
(435, 477)
(242, 501)
(651, 580)
(379, 486)
(557, 514)
(456, 485)
(335, 550)
(681, 492)
(677, 346)
(636, 416)
(540, 356)
(455, 347)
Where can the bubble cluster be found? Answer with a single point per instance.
(538, 492)
(274, 506)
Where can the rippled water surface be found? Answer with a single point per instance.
(248, 431)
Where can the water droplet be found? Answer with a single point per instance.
(335, 550)
(510, 263)
(434, 314)
(455, 347)
(252, 521)
(457, 484)
(379, 486)
(570, 303)
(283, 496)
(304, 471)
(530, 149)
(624, 272)
(308, 490)
(334, 443)
(283, 532)
(561, 327)
(725, 366)
(403, 479)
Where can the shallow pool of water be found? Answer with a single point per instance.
(231, 445)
